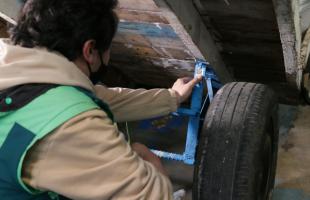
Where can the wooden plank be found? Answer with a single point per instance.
(153, 72)
(266, 76)
(272, 50)
(246, 29)
(147, 29)
(147, 39)
(148, 49)
(248, 35)
(141, 16)
(199, 35)
(240, 27)
(261, 62)
(147, 46)
(141, 5)
(131, 39)
(169, 42)
(259, 9)
(290, 39)
(150, 52)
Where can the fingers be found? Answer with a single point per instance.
(194, 81)
(191, 80)
(184, 87)
(185, 80)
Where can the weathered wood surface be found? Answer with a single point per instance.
(248, 34)
(152, 47)
(289, 27)
(147, 49)
(259, 40)
(200, 36)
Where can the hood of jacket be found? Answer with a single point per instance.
(19, 66)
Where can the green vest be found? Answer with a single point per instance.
(21, 129)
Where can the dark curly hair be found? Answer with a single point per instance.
(65, 25)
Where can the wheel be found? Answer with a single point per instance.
(237, 150)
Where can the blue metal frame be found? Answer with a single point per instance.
(194, 113)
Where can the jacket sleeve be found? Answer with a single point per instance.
(130, 105)
(88, 158)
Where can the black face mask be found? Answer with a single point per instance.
(95, 77)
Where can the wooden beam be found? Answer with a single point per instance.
(195, 31)
(248, 9)
(138, 5)
(149, 47)
(287, 14)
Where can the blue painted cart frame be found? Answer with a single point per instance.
(198, 105)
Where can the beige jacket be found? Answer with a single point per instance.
(87, 157)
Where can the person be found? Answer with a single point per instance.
(59, 138)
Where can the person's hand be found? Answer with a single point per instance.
(184, 86)
(149, 156)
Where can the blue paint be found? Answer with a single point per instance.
(186, 112)
(147, 29)
(169, 156)
(210, 89)
(191, 140)
(194, 114)
(194, 121)
(289, 194)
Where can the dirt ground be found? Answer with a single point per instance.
(293, 172)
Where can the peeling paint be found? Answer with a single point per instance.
(158, 26)
(172, 63)
(146, 29)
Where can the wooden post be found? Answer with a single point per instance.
(287, 13)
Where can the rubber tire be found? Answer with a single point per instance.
(238, 144)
